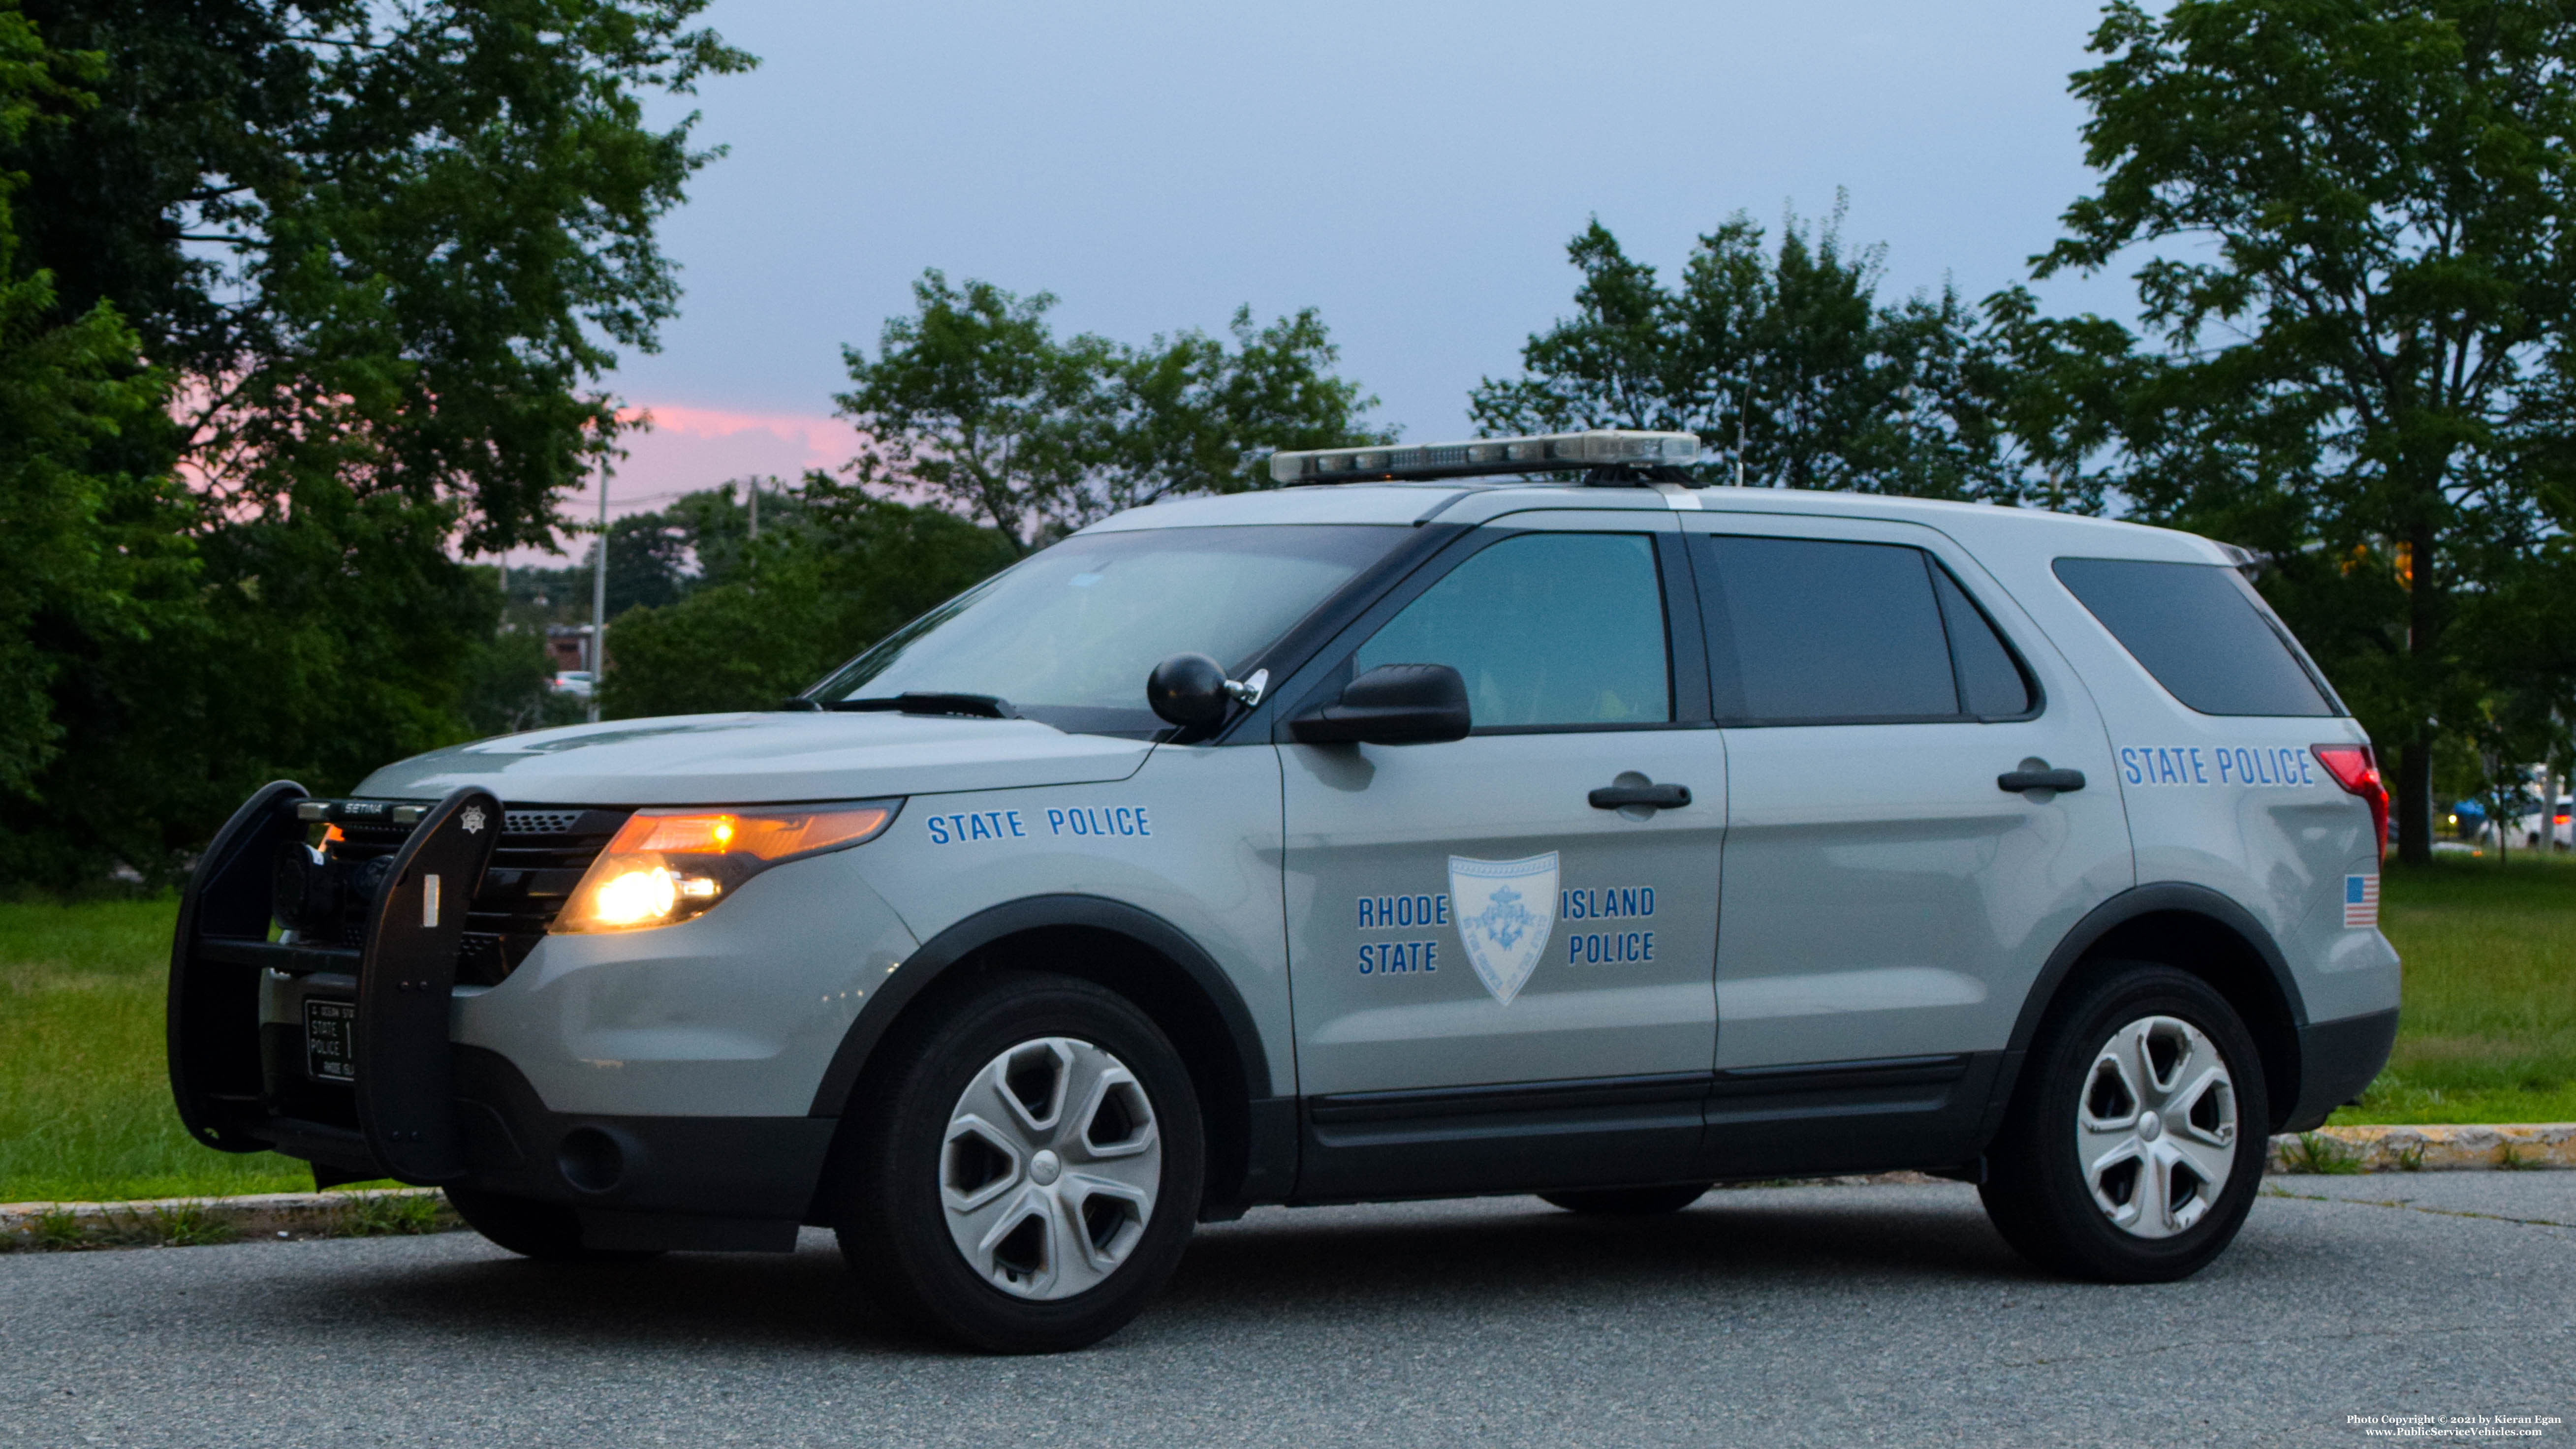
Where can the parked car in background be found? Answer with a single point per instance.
(575, 682)
(2551, 825)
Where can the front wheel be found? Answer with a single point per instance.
(2135, 1142)
(1028, 1171)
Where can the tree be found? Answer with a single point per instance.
(1189, 416)
(976, 403)
(2360, 274)
(1788, 367)
(88, 551)
(383, 246)
(378, 258)
(838, 571)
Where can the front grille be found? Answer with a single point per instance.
(543, 853)
(541, 856)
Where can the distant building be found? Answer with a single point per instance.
(568, 646)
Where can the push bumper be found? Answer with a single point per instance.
(416, 1106)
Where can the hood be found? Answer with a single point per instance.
(750, 759)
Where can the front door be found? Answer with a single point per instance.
(1475, 947)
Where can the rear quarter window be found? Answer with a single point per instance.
(2202, 631)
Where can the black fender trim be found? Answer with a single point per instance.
(2177, 898)
(2337, 1059)
(1269, 1166)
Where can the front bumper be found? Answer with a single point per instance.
(422, 1107)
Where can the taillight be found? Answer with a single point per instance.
(2358, 773)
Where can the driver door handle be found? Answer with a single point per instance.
(1661, 797)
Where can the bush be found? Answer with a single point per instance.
(797, 605)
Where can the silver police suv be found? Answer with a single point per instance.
(1497, 817)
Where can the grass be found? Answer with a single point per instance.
(2314, 1154)
(2488, 1027)
(85, 1110)
(2488, 1034)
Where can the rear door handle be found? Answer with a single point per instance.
(1662, 797)
(2017, 781)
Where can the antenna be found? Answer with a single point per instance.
(1743, 405)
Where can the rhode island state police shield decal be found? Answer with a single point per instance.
(1506, 911)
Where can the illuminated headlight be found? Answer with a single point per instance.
(665, 866)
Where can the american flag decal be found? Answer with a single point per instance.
(2361, 900)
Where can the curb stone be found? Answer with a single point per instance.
(191, 1221)
(2426, 1148)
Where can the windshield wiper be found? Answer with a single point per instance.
(977, 706)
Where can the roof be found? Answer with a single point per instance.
(1980, 526)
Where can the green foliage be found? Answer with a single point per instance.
(387, 1215)
(976, 403)
(326, 639)
(1787, 364)
(507, 678)
(837, 573)
(2360, 286)
(378, 258)
(385, 245)
(88, 551)
(2314, 1153)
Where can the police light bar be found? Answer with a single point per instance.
(1548, 453)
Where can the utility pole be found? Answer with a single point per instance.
(754, 485)
(599, 599)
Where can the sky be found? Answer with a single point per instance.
(1413, 170)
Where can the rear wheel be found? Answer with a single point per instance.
(549, 1231)
(1627, 1201)
(1028, 1171)
(2135, 1143)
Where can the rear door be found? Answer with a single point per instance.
(1886, 904)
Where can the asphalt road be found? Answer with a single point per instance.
(1806, 1315)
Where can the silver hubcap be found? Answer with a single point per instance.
(1050, 1167)
(2156, 1127)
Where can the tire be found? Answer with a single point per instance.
(2086, 1179)
(1024, 1172)
(1627, 1201)
(547, 1231)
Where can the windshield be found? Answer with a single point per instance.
(1068, 635)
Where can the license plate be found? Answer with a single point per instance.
(329, 1030)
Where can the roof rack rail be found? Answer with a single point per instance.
(1608, 456)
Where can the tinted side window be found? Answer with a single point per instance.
(1547, 629)
(2201, 631)
(1806, 629)
(1991, 684)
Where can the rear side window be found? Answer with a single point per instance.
(2201, 630)
(1813, 631)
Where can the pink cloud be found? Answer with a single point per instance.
(685, 449)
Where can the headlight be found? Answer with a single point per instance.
(665, 866)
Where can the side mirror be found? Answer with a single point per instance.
(1393, 704)
(1188, 690)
